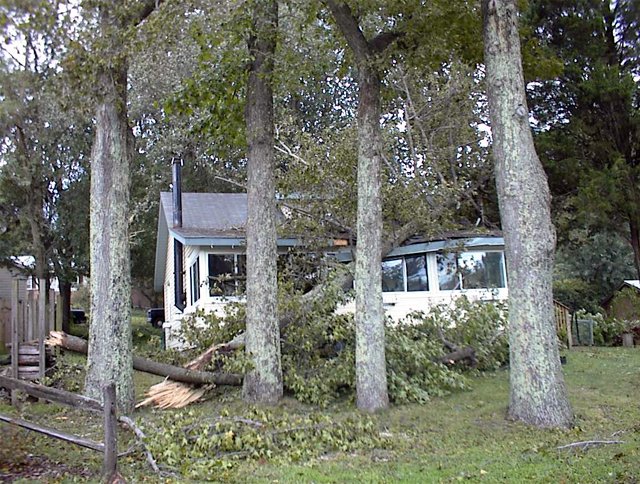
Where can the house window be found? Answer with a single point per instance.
(407, 273)
(393, 275)
(32, 283)
(227, 274)
(471, 270)
(194, 277)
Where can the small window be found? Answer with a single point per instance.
(194, 276)
(416, 267)
(393, 275)
(481, 270)
(448, 279)
(227, 274)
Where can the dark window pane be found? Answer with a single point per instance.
(417, 273)
(194, 276)
(448, 272)
(221, 272)
(392, 275)
(241, 274)
(494, 265)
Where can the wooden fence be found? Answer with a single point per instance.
(563, 322)
(108, 447)
(31, 320)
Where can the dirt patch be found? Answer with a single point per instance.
(38, 468)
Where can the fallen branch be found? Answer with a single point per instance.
(586, 443)
(176, 373)
(466, 355)
(140, 437)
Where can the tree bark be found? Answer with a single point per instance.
(537, 391)
(263, 383)
(371, 373)
(110, 344)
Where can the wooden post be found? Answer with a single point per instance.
(109, 467)
(15, 336)
(568, 326)
(42, 326)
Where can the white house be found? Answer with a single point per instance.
(200, 262)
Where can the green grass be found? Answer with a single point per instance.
(464, 436)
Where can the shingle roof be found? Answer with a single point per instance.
(208, 214)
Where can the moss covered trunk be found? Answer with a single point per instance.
(371, 373)
(537, 394)
(262, 384)
(110, 345)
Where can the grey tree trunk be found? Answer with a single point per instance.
(263, 384)
(110, 345)
(537, 395)
(371, 372)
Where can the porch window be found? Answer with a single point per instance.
(393, 275)
(407, 273)
(227, 274)
(471, 270)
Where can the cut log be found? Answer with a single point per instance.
(187, 375)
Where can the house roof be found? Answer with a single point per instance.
(451, 244)
(207, 214)
(208, 219)
(634, 283)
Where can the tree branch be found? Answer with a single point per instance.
(349, 27)
(586, 443)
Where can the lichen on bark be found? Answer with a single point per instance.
(538, 394)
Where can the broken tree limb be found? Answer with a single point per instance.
(461, 355)
(140, 437)
(176, 373)
(587, 443)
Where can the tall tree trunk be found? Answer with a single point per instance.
(110, 345)
(263, 384)
(371, 370)
(538, 395)
(371, 373)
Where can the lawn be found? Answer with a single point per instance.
(463, 436)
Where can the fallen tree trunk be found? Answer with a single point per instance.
(466, 355)
(176, 373)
